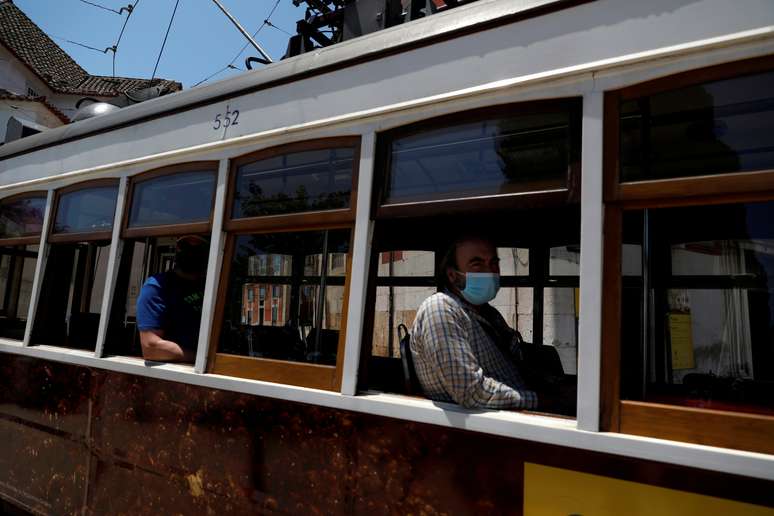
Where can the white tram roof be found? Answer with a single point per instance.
(432, 59)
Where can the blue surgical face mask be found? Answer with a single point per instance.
(480, 287)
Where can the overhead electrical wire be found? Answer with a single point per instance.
(101, 6)
(270, 24)
(163, 44)
(101, 51)
(266, 22)
(130, 10)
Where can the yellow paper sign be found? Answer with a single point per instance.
(681, 339)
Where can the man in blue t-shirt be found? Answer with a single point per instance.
(170, 304)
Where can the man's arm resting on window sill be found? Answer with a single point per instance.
(155, 347)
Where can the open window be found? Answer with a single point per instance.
(163, 206)
(21, 221)
(74, 280)
(282, 303)
(510, 173)
(688, 345)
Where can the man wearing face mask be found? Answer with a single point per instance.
(170, 304)
(460, 344)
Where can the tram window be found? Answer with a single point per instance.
(165, 247)
(74, 278)
(715, 127)
(493, 155)
(21, 216)
(87, 210)
(312, 180)
(74, 282)
(306, 286)
(18, 270)
(281, 316)
(184, 197)
(507, 173)
(21, 220)
(708, 324)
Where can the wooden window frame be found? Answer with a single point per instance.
(728, 429)
(316, 376)
(27, 239)
(168, 229)
(83, 236)
(491, 202)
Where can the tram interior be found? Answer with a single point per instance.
(73, 285)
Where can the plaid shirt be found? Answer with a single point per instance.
(457, 360)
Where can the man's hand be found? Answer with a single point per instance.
(156, 348)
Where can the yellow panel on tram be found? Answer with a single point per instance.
(552, 491)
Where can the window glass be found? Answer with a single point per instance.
(711, 128)
(498, 155)
(708, 333)
(18, 270)
(74, 282)
(90, 209)
(296, 182)
(279, 303)
(21, 217)
(177, 198)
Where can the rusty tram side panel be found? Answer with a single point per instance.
(74, 438)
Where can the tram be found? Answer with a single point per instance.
(621, 152)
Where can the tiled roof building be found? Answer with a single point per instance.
(27, 42)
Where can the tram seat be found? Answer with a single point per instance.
(12, 328)
(277, 342)
(329, 344)
(410, 381)
(83, 330)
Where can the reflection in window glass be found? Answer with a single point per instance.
(301, 321)
(709, 331)
(711, 128)
(178, 198)
(90, 209)
(74, 282)
(19, 270)
(20, 217)
(295, 182)
(488, 157)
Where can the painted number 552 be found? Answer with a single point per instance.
(226, 119)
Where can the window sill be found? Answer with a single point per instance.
(737, 430)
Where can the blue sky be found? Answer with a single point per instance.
(201, 41)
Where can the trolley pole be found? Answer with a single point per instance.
(244, 32)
